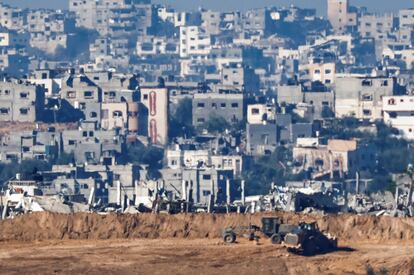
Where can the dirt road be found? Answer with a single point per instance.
(200, 256)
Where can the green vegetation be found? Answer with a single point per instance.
(181, 121)
(268, 169)
(141, 155)
(216, 124)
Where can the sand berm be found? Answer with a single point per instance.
(50, 226)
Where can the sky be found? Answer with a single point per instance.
(224, 5)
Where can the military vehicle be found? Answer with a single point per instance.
(305, 238)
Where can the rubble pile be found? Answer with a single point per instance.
(52, 226)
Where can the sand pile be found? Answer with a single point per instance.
(49, 226)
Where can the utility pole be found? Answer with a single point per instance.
(410, 171)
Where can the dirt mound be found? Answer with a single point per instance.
(49, 226)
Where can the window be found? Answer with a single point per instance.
(24, 95)
(116, 114)
(235, 105)
(367, 97)
(88, 94)
(366, 82)
(391, 101)
(214, 105)
(393, 115)
(145, 97)
(206, 177)
(327, 71)
(200, 105)
(317, 71)
(366, 112)
(93, 114)
(24, 111)
(4, 111)
(223, 105)
(206, 193)
(255, 111)
(384, 83)
(201, 120)
(71, 94)
(71, 142)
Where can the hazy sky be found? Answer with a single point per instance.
(373, 5)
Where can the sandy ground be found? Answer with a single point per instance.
(200, 256)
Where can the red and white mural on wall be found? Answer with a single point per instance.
(156, 100)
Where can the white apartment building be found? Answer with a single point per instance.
(194, 42)
(260, 113)
(399, 113)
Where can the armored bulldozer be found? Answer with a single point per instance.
(305, 238)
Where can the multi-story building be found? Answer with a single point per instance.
(399, 114)
(20, 101)
(377, 26)
(339, 15)
(361, 97)
(406, 17)
(113, 17)
(154, 114)
(229, 106)
(11, 18)
(194, 42)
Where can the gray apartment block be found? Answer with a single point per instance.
(290, 94)
(320, 101)
(20, 101)
(79, 89)
(91, 145)
(113, 17)
(18, 146)
(361, 97)
(261, 138)
(230, 106)
(198, 184)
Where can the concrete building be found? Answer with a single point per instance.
(24, 145)
(259, 113)
(92, 145)
(113, 17)
(339, 15)
(377, 26)
(242, 78)
(150, 46)
(20, 101)
(361, 97)
(195, 42)
(338, 158)
(155, 109)
(79, 89)
(406, 17)
(198, 184)
(229, 106)
(322, 72)
(11, 18)
(10, 38)
(261, 138)
(210, 21)
(399, 114)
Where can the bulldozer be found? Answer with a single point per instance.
(304, 238)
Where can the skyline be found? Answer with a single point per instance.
(320, 5)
